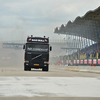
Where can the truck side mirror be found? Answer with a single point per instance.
(50, 48)
(23, 46)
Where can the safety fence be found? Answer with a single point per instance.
(90, 62)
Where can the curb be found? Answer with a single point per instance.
(97, 72)
(73, 69)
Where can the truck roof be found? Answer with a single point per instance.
(37, 40)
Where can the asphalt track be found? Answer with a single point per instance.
(57, 84)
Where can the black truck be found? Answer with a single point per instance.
(37, 53)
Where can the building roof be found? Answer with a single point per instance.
(87, 26)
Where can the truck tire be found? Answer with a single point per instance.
(42, 69)
(45, 68)
(27, 68)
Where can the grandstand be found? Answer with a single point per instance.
(85, 30)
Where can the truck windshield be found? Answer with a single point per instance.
(37, 47)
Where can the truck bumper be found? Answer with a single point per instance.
(35, 65)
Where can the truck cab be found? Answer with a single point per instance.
(37, 53)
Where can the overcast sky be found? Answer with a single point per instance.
(20, 18)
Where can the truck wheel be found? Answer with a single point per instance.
(25, 68)
(45, 68)
(29, 68)
(42, 69)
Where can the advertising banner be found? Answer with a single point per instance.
(62, 61)
(67, 61)
(74, 61)
(98, 61)
(77, 61)
(85, 61)
(94, 61)
(89, 61)
(81, 61)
